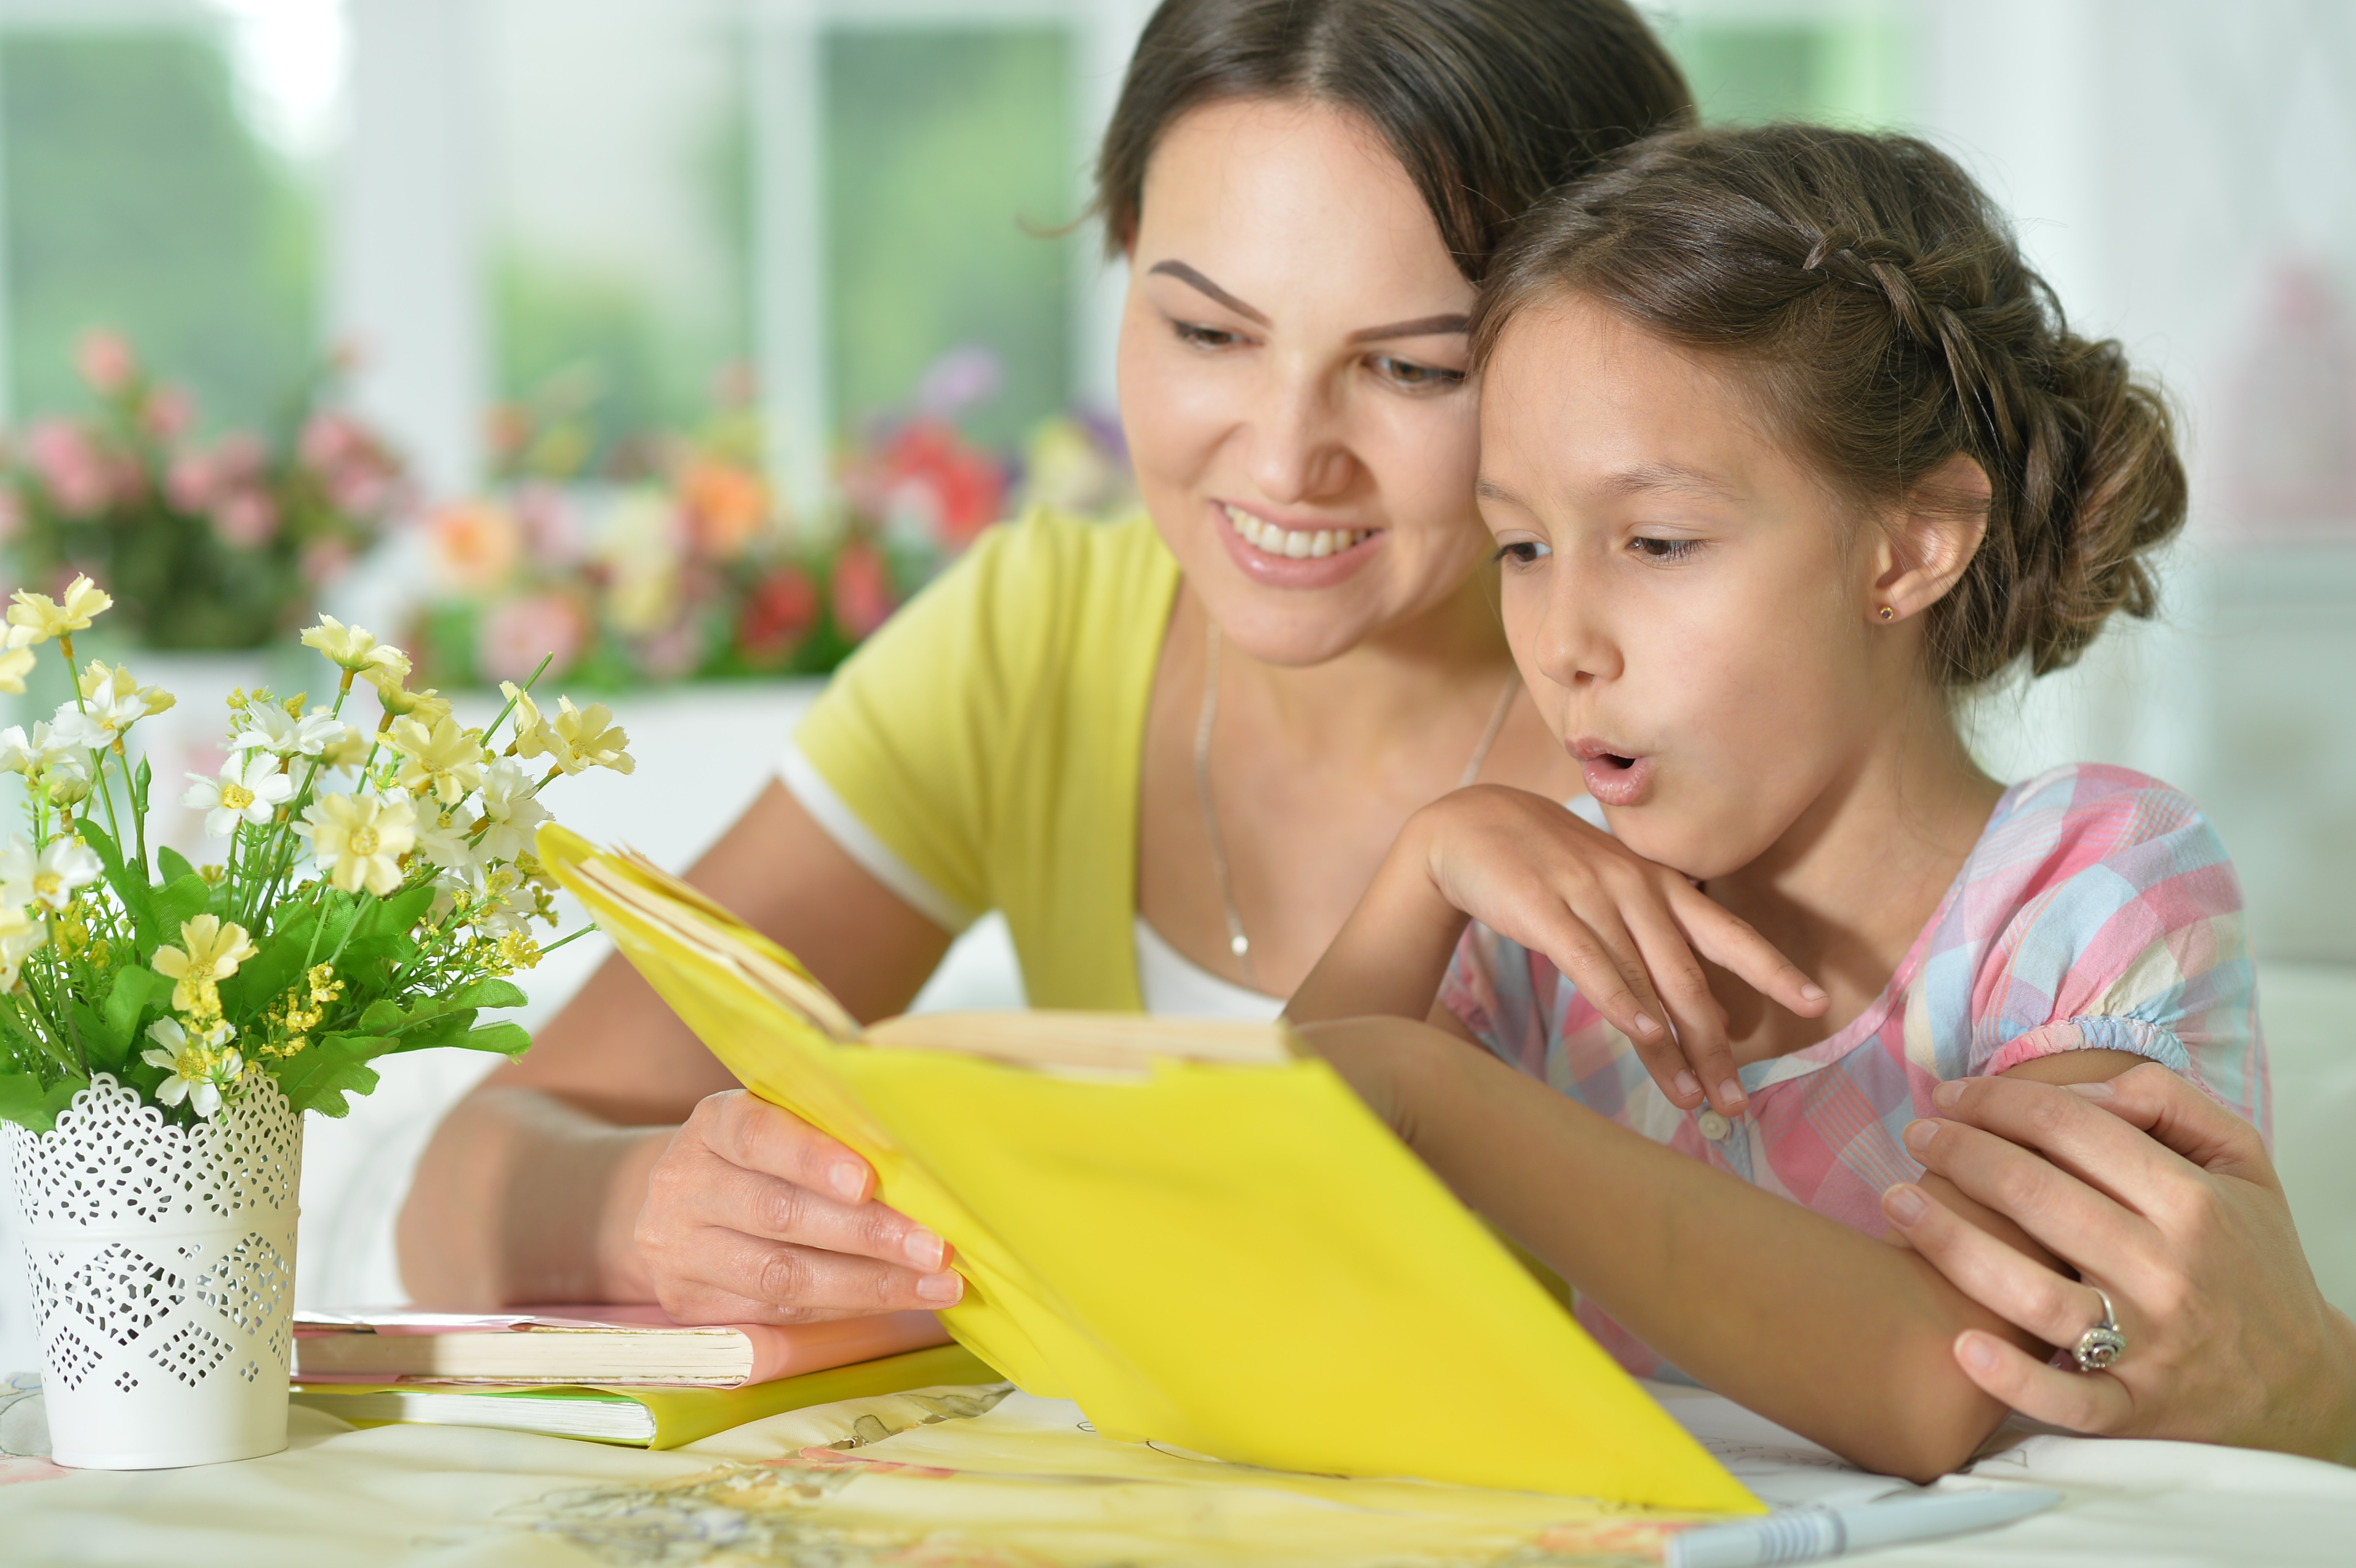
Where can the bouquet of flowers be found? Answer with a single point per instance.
(207, 546)
(375, 889)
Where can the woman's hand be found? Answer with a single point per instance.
(2169, 1202)
(1621, 928)
(753, 1216)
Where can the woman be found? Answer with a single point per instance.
(1173, 753)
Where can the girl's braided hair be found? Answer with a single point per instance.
(1881, 310)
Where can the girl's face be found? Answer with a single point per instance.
(1292, 358)
(1691, 613)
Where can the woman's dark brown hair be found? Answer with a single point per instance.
(1881, 312)
(1487, 103)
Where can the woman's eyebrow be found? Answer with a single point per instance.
(1201, 284)
(1421, 326)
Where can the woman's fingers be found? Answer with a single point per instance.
(2064, 1125)
(2178, 1113)
(2080, 1402)
(776, 1281)
(745, 1129)
(2059, 1211)
(762, 1206)
(1731, 942)
(2016, 1287)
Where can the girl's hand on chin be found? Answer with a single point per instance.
(1621, 928)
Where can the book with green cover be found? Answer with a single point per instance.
(1196, 1231)
(640, 1416)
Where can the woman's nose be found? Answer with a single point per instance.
(1297, 450)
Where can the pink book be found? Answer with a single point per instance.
(589, 1344)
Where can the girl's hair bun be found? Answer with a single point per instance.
(1880, 308)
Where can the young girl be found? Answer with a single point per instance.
(1784, 449)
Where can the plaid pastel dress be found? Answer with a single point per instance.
(2098, 910)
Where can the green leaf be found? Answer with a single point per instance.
(490, 993)
(380, 1017)
(136, 988)
(507, 1038)
(24, 1100)
(172, 864)
(181, 900)
(129, 886)
(319, 1079)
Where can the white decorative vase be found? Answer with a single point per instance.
(163, 1269)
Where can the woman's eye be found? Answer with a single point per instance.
(1407, 373)
(1523, 552)
(1662, 549)
(1202, 337)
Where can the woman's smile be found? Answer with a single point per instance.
(1282, 557)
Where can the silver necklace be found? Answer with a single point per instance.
(1237, 943)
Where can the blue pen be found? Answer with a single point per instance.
(1805, 1534)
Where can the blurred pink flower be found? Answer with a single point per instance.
(359, 492)
(12, 516)
(670, 654)
(329, 439)
(190, 482)
(246, 520)
(324, 560)
(70, 468)
(519, 633)
(960, 379)
(863, 589)
(239, 456)
(170, 411)
(106, 361)
(551, 521)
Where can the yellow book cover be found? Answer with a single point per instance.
(1198, 1232)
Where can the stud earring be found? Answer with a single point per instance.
(1888, 613)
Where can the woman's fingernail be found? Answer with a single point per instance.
(1688, 1085)
(1918, 1134)
(1945, 1095)
(923, 1249)
(1976, 1351)
(1904, 1204)
(2092, 1091)
(1812, 993)
(848, 1179)
(1647, 1025)
(940, 1290)
(1730, 1093)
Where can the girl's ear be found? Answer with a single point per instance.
(1929, 540)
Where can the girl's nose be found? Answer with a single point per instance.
(1297, 451)
(1575, 641)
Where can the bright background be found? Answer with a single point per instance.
(623, 202)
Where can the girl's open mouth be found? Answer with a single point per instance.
(1613, 778)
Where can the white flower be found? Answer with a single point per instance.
(515, 812)
(63, 867)
(250, 789)
(445, 845)
(21, 755)
(124, 683)
(15, 665)
(358, 839)
(21, 937)
(101, 719)
(200, 1069)
(504, 907)
(271, 728)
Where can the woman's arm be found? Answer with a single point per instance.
(2169, 1202)
(568, 1175)
(1819, 1327)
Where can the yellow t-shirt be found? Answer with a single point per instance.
(983, 750)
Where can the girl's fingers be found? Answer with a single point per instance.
(1611, 975)
(2016, 1287)
(2095, 1402)
(1731, 942)
(1679, 980)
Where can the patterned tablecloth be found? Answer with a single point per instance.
(985, 1477)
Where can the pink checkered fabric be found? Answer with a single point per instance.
(2098, 910)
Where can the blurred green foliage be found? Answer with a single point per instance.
(1846, 69)
(948, 153)
(138, 198)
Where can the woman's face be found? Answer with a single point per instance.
(1292, 358)
(1683, 599)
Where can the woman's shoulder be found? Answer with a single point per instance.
(1048, 557)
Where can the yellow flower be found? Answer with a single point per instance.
(97, 678)
(401, 703)
(440, 757)
(36, 617)
(349, 753)
(354, 648)
(210, 955)
(14, 665)
(573, 739)
(528, 724)
(358, 839)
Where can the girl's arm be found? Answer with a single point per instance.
(1818, 1327)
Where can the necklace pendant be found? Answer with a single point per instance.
(1239, 944)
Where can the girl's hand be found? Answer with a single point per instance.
(1621, 928)
(752, 1215)
(2169, 1202)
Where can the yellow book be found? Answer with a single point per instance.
(1196, 1231)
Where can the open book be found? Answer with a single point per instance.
(1195, 1230)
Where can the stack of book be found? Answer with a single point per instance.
(615, 1374)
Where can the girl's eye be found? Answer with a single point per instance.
(1407, 373)
(1201, 336)
(1523, 553)
(1662, 549)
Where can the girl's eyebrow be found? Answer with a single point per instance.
(1671, 476)
(1201, 284)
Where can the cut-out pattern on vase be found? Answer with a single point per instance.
(162, 1265)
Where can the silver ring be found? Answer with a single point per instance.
(2103, 1344)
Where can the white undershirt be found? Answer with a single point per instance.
(1174, 986)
